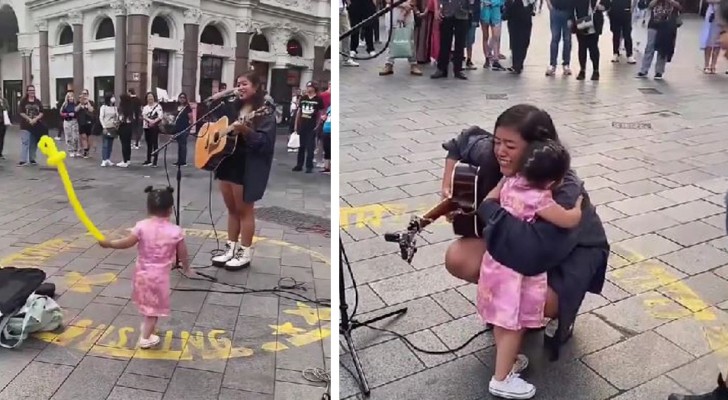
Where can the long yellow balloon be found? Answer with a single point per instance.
(55, 159)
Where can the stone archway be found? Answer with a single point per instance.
(12, 79)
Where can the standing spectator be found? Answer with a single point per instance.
(320, 151)
(404, 17)
(344, 26)
(589, 38)
(709, 38)
(620, 22)
(4, 108)
(182, 123)
(561, 13)
(31, 126)
(360, 10)
(127, 113)
(661, 34)
(520, 23)
(137, 122)
(308, 122)
(86, 117)
(723, 38)
(472, 30)
(453, 17)
(152, 116)
(109, 122)
(491, 19)
(70, 125)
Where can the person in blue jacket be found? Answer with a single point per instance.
(575, 260)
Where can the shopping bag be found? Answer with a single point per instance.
(402, 45)
(6, 118)
(295, 141)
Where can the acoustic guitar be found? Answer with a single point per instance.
(217, 140)
(468, 188)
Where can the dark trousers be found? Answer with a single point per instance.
(3, 128)
(590, 44)
(367, 31)
(182, 147)
(306, 148)
(125, 133)
(151, 136)
(451, 27)
(519, 34)
(621, 25)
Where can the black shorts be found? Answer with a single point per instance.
(232, 169)
(84, 129)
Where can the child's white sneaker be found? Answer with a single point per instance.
(149, 343)
(513, 387)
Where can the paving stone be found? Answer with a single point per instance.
(143, 382)
(187, 383)
(698, 334)
(711, 290)
(454, 303)
(93, 378)
(368, 300)
(700, 376)
(656, 355)
(286, 390)
(644, 276)
(633, 317)
(254, 374)
(37, 381)
(644, 223)
(658, 388)
(684, 194)
(639, 188)
(641, 204)
(458, 331)
(696, 259)
(231, 394)
(12, 362)
(644, 247)
(125, 393)
(691, 233)
(417, 284)
(692, 211)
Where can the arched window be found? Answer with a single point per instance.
(212, 35)
(294, 48)
(160, 27)
(66, 36)
(106, 29)
(259, 43)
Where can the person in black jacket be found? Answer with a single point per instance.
(620, 22)
(575, 260)
(519, 16)
(589, 13)
(723, 23)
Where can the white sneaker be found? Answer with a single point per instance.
(567, 70)
(148, 343)
(72, 155)
(123, 164)
(513, 387)
(350, 63)
(241, 260)
(615, 58)
(352, 53)
(631, 60)
(551, 328)
(520, 365)
(106, 163)
(230, 249)
(372, 53)
(550, 71)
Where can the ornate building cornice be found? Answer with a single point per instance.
(322, 40)
(138, 7)
(75, 18)
(118, 7)
(41, 25)
(192, 16)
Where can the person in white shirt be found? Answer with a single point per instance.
(109, 118)
(151, 117)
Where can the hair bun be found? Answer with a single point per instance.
(148, 189)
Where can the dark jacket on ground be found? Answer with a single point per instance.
(581, 10)
(575, 260)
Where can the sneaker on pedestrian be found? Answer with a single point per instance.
(469, 65)
(123, 164)
(641, 74)
(146, 163)
(631, 60)
(551, 71)
(388, 69)
(297, 169)
(567, 70)
(230, 250)
(658, 77)
(372, 53)
(152, 341)
(350, 63)
(513, 387)
(415, 70)
(496, 66)
(33, 162)
(615, 58)
(352, 53)
(22, 164)
(106, 163)
(240, 260)
(2, 157)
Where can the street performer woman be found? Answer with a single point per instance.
(244, 175)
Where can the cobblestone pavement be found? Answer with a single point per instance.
(660, 321)
(214, 345)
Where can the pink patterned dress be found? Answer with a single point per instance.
(506, 298)
(157, 247)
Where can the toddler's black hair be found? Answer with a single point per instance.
(159, 201)
(545, 162)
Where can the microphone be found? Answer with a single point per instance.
(392, 237)
(228, 94)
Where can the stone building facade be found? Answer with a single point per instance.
(185, 46)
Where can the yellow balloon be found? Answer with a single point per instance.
(48, 147)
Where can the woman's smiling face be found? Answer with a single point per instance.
(508, 146)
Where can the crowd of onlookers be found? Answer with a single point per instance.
(128, 118)
(443, 32)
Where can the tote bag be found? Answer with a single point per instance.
(402, 45)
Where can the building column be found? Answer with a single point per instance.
(26, 65)
(120, 56)
(76, 21)
(190, 58)
(137, 45)
(321, 43)
(45, 93)
(242, 46)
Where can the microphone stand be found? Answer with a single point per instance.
(349, 323)
(179, 166)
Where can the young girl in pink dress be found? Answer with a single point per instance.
(159, 241)
(506, 299)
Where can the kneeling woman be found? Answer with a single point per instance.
(244, 175)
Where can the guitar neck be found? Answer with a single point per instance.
(436, 212)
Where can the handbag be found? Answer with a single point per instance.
(6, 118)
(585, 25)
(402, 45)
(294, 142)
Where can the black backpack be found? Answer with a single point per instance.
(16, 285)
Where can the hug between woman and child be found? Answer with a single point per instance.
(159, 242)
